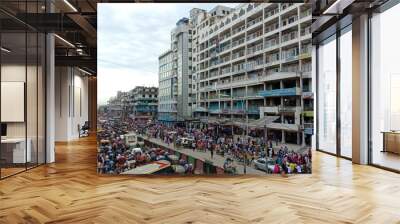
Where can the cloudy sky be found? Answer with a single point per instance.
(130, 39)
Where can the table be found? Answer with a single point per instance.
(13, 150)
(391, 141)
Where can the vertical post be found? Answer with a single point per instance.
(360, 90)
(50, 92)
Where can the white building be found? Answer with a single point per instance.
(254, 61)
(175, 76)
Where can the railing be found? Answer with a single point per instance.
(279, 92)
(253, 110)
(254, 35)
(306, 31)
(305, 13)
(272, 58)
(241, 94)
(237, 30)
(271, 13)
(251, 64)
(289, 36)
(271, 43)
(289, 20)
(271, 28)
(293, 68)
(254, 49)
(287, 108)
(308, 108)
(285, 5)
(255, 21)
(238, 55)
(237, 42)
(238, 68)
(225, 71)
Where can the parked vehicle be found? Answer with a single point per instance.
(264, 164)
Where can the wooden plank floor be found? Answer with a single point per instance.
(70, 191)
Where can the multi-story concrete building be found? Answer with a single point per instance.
(168, 88)
(254, 61)
(143, 103)
(175, 75)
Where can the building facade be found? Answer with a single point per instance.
(254, 61)
(143, 103)
(175, 75)
(167, 96)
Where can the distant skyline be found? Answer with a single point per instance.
(131, 36)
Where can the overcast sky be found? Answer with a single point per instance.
(130, 38)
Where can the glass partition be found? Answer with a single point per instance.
(346, 92)
(327, 95)
(22, 88)
(385, 89)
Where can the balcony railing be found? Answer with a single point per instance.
(289, 36)
(237, 42)
(254, 49)
(271, 28)
(239, 29)
(271, 43)
(280, 92)
(305, 13)
(271, 13)
(238, 55)
(254, 35)
(255, 21)
(289, 20)
(306, 31)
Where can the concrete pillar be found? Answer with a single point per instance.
(283, 137)
(298, 138)
(360, 90)
(50, 97)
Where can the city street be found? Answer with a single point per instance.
(217, 160)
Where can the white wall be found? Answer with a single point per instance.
(71, 103)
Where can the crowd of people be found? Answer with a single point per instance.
(115, 156)
(239, 148)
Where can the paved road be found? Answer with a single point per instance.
(217, 159)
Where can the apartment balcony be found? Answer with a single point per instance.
(290, 57)
(254, 22)
(305, 52)
(254, 65)
(253, 110)
(271, 28)
(269, 109)
(238, 30)
(288, 21)
(308, 128)
(237, 42)
(281, 92)
(254, 36)
(307, 95)
(305, 31)
(305, 13)
(239, 95)
(237, 110)
(286, 6)
(271, 43)
(270, 13)
(289, 36)
(255, 49)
